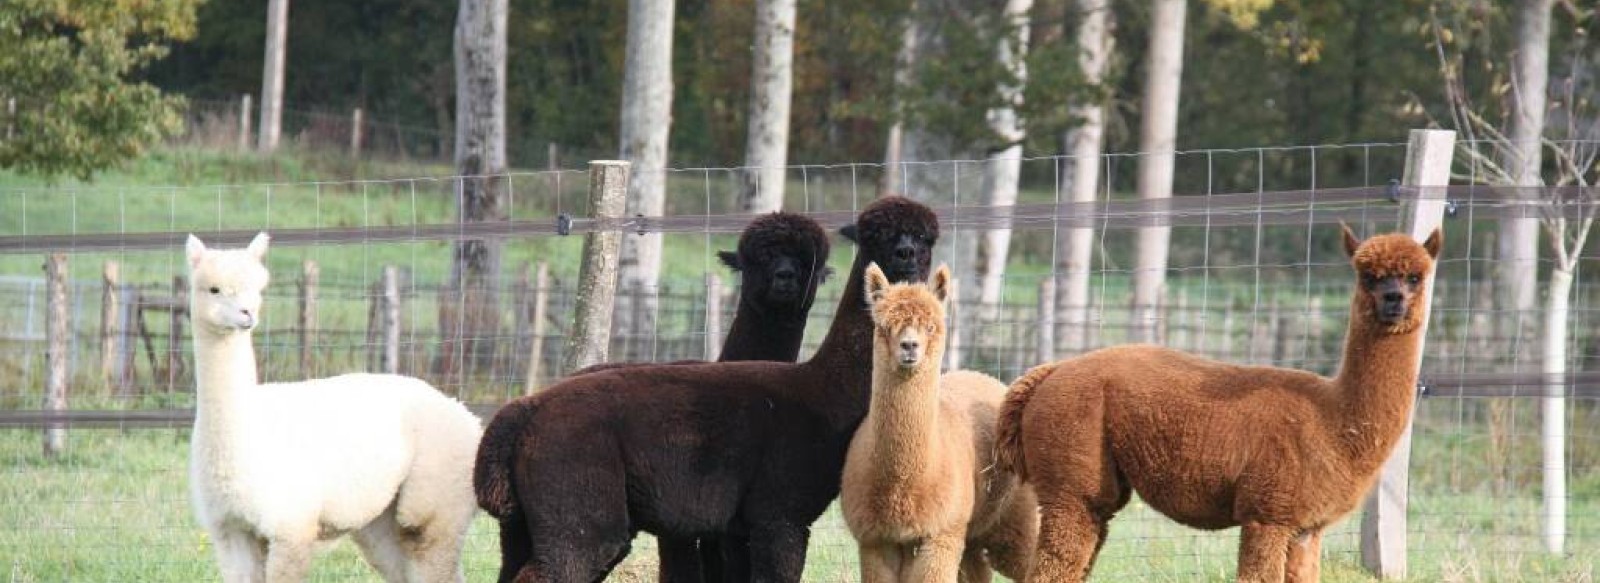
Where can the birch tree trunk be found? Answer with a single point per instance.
(1521, 159)
(646, 121)
(1074, 250)
(904, 64)
(1003, 169)
(480, 158)
(272, 75)
(1554, 408)
(771, 89)
(1157, 142)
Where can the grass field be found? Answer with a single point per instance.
(115, 509)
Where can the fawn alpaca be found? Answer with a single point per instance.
(274, 469)
(1281, 453)
(919, 493)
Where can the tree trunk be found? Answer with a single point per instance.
(1519, 238)
(480, 158)
(1555, 408)
(272, 75)
(1003, 170)
(771, 88)
(892, 181)
(646, 121)
(1157, 142)
(1074, 251)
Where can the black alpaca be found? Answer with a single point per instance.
(781, 259)
(751, 450)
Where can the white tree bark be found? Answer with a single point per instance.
(771, 89)
(1003, 169)
(1521, 159)
(646, 121)
(480, 158)
(1554, 408)
(272, 75)
(894, 145)
(1157, 141)
(1074, 250)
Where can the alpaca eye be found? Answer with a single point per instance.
(215, 290)
(1413, 279)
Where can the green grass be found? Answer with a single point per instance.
(115, 508)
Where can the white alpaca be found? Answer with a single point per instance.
(276, 468)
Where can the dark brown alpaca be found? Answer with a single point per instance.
(782, 259)
(748, 449)
(1282, 453)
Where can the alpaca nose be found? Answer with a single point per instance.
(784, 272)
(1393, 297)
(908, 345)
(904, 252)
(245, 311)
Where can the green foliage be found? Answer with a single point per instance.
(69, 67)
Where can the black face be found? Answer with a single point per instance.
(781, 259)
(898, 234)
(1391, 295)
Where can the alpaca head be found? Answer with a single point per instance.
(225, 286)
(782, 258)
(898, 234)
(908, 319)
(1392, 272)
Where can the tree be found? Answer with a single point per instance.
(771, 86)
(1158, 138)
(1518, 268)
(1083, 143)
(67, 67)
(646, 123)
(1003, 170)
(272, 67)
(480, 159)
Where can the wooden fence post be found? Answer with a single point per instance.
(110, 321)
(180, 306)
(1046, 345)
(597, 277)
(541, 300)
(57, 331)
(244, 123)
(391, 320)
(952, 350)
(713, 346)
(355, 133)
(308, 317)
(1383, 520)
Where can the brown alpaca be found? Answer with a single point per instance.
(1282, 453)
(918, 493)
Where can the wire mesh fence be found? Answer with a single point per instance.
(1255, 275)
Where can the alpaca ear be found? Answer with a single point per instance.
(1351, 243)
(258, 246)
(849, 232)
(940, 283)
(1435, 243)
(729, 259)
(876, 283)
(195, 250)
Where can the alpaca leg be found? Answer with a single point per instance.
(1069, 537)
(1011, 541)
(289, 559)
(726, 558)
(241, 556)
(1263, 551)
(880, 563)
(936, 560)
(778, 552)
(435, 553)
(515, 547)
(1305, 558)
(680, 560)
(974, 567)
(379, 542)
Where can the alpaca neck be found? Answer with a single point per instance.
(904, 421)
(758, 334)
(1377, 385)
(846, 349)
(225, 367)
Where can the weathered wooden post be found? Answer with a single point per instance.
(1046, 340)
(597, 277)
(57, 331)
(952, 350)
(110, 321)
(180, 306)
(309, 273)
(355, 133)
(1383, 519)
(541, 301)
(390, 363)
(244, 123)
(713, 345)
